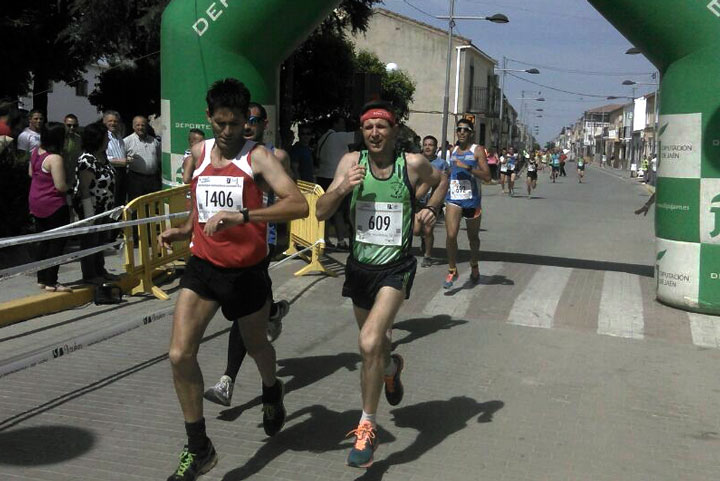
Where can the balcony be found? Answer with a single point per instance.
(484, 100)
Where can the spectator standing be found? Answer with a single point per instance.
(145, 152)
(116, 154)
(492, 161)
(47, 200)
(301, 155)
(188, 163)
(30, 137)
(72, 148)
(5, 130)
(94, 194)
(331, 147)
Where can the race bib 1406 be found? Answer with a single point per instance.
(215, 193)
(379, 223)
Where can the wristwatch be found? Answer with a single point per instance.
(246, 215)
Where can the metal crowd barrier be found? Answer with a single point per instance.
(309, 233)
(152, 257)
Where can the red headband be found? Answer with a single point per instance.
(378, 114)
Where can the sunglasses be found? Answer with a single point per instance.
(461, 129)
(254, 120)
(71, 126)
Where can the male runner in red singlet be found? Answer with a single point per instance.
(228, 225)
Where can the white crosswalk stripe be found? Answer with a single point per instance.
(536, 305)
(705, 330)
(457, 304)
(621, 306)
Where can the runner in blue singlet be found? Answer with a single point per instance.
(467, 166)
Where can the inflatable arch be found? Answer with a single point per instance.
(682, 39)
(206, 40)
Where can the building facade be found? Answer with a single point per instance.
(420, 50)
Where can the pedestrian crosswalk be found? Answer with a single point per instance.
(536, 296)
(536, 305)
(621, 306)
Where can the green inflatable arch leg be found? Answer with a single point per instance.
(682, 39)
(203, 41)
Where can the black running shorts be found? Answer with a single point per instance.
(532, 175)
(239, 291)
(363, 281)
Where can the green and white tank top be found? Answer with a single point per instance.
(382, 213)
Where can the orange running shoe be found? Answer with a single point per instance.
(394, 389)
(450, 279)
(361, 455)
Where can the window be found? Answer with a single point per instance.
(81, 88)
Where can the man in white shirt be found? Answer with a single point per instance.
(331, 147)
(30, 137)
(146, 155)
(116, 154)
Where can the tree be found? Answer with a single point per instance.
(127, 34)
(397, 86)
(550, 145)
(35, 52)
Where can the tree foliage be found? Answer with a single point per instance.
(35, 49)
(397, 86)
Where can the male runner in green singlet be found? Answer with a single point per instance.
(380, 269)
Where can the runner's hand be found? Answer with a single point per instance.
(168, 237)
(221, 221)
(462, 166)
(354, 176)
(426, 217)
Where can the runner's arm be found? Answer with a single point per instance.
(347, 175)
(291, 204)
(426, 174)
(482, 171)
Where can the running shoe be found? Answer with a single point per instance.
(361, 454)
(220, 393)
(274, 413)
(475, 274)
(450, 279)
(275, 323)
(193, 465)
(393, 385)
(426, 262)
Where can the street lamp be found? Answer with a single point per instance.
(522, 110)
(504, 69)
(497, 18)
(656, 106)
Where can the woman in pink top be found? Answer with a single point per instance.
(47, 199)
(492, 161)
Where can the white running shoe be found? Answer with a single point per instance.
(220, 393)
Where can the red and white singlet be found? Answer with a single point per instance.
(231, 188)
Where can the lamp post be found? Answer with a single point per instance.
(522, 110)
(497, 18)
(504, 69)
(656, 107)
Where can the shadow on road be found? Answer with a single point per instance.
(521, 258)
(41, 445)
(423, 327)
(323, 430)
(434, 421)
(304, 371)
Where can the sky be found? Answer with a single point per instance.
(559, 38)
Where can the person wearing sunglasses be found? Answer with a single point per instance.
(467, 164)
(72, 148)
